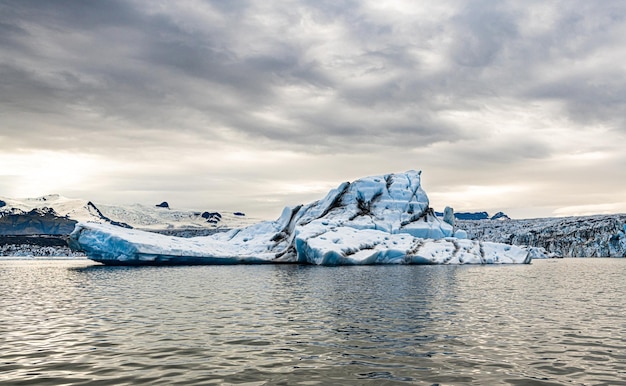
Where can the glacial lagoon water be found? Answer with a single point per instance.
(78, 323)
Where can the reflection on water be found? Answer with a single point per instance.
(552, 322)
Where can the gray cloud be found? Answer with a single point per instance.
(478, 87)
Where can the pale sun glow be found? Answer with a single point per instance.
(34, 174)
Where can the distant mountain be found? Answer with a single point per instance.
(477, 216)
(56, 215)
(471, 216)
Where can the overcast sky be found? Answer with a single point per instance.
(514, 106)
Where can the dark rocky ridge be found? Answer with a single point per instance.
(38, 240)
(92, 207)
(36, 222)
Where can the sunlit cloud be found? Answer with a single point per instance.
(31, 174)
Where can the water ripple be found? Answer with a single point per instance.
(549, 323)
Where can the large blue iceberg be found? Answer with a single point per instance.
(373, 220)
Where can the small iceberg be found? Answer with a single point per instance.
(374, 220)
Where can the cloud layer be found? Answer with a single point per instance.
(514, 106)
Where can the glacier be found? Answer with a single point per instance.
(373, 220)
(580, 236)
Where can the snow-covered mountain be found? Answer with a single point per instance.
(584, 236)
(55, 214)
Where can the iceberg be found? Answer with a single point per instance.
(374, 220)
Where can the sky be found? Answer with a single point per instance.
(514, 106)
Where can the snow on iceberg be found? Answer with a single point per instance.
(374, 220)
